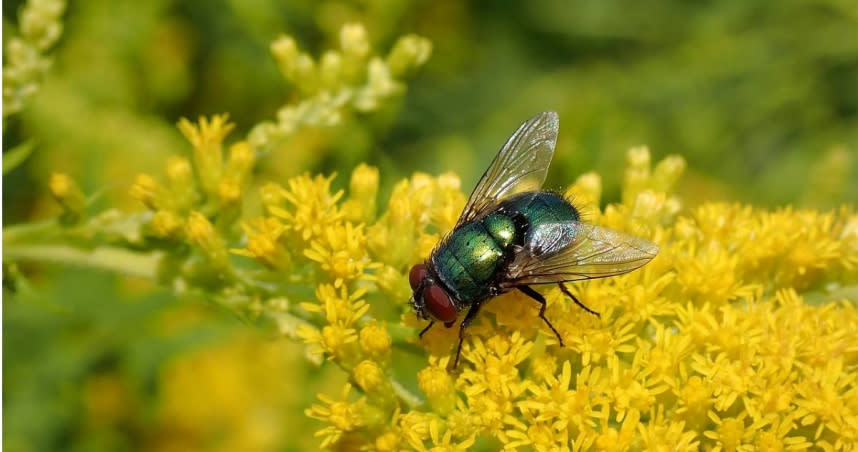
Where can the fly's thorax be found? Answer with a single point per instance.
(501, 228)
(469, 259)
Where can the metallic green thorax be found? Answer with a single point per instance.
(472, 259)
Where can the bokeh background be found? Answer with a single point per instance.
(761, 98)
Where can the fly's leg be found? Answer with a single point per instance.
(541, 300)
(422, 332)
(465, 322)
(569, 294)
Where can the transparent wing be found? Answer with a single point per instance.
(520, 165)
(571, 250)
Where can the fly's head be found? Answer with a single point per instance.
(429, 299)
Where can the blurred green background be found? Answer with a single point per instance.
(761, 98)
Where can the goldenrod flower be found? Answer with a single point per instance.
(363, 189)
(375, 341)
(146, 190)
(180, 176)
(263, 242)
(241, 161)
(166, 224)
(341, 252)
(201, 233)
(438, 385)
(343, 416)
(206, 138)
(369, 376)
(312, 206)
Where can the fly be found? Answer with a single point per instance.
(513, 235)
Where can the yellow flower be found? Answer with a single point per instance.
(332, 341)
(342, 416)
(146, 190)
(621, 439)
(369, 376)
(241, 161)
(166, 223)
(363, 189)
(438, 385)
(341, 252)
(181, 183)
(569, 405)
(446, 442)
(207, 138)
(729, 433)
(263, 242)
(662, 434)
(631, 391)
(313, 207)
(201, 233)
(375, 341)
(771, 434)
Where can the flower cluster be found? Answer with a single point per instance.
(736, 337)
(344, 80)
(25, 62)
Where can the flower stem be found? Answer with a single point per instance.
(117, 260)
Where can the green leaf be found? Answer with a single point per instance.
(17, 155)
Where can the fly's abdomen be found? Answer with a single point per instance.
(531, 209)
(468, 261)
(541, 207)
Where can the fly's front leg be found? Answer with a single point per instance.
(465, 322)
(422, 332)
(527, 290)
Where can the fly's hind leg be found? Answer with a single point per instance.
(527, 290)
(569, 294)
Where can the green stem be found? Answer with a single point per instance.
(111, 259)
(405, 396)
(18, 232)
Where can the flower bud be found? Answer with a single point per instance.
(667, 172)
(375, 341)
(146, 190)
(68, 194)
(409, 53)
(166, 224)
(436, 383)
(202, 233)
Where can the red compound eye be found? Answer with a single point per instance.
(438, 304)
(415, 277)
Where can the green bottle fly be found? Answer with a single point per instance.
(512, 235)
